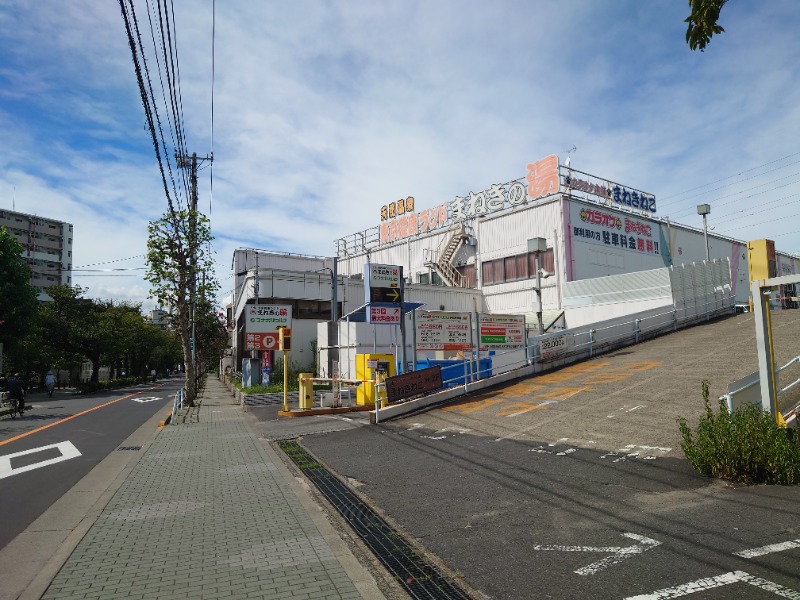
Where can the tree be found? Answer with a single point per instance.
(18, 303)
(74, 325)
(703, 22)
(180, 271)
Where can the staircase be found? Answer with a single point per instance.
(442, 261)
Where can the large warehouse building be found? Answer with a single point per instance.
(480, 252)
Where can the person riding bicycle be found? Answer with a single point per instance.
(50, 383)
(16, 389)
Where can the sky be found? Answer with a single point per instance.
(318, 113)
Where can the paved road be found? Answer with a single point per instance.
(573, 484)
(60, 439)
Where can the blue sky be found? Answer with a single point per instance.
(326, 111)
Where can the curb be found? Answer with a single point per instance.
(166, 421)
(323, 411)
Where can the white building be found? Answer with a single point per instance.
(48, 248)
(478, 253)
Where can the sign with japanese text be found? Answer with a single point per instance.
(260, 341)
(265, 318)
(386, 314)
(438, 330)
(501, 332)
(608, 191)
(552, 347)
(602, 227)
(382, 283)
(410, 384)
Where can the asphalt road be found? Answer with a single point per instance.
(60, 439)
(573, 484)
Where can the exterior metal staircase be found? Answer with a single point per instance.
(442, 260)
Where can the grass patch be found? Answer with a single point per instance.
(746, 446)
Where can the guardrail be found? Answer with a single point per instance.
(750, 390)
(177, 404)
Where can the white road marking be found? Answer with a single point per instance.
(636, 408)
(143, 399)
(618, 553)
(67, 449)
(708, 583)
(769, 549)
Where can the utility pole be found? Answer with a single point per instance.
(184, 161)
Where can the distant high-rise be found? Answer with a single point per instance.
(48, 248)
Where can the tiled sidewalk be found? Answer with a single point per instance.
(208, 513)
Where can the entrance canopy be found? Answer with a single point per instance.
(359, 315)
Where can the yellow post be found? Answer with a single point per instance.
(285, 381)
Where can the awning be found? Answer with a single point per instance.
(359, 315)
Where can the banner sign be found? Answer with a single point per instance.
(413, 383)
(437, 330)
(265, 318)
(501, 332)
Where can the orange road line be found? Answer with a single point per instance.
(75, 416)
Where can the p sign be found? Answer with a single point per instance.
(261, 341)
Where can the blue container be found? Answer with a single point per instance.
(457, 372)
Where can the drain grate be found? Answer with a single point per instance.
(133, 448)
(419, 577)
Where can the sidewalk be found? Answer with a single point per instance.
(210, 511)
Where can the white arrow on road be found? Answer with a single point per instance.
(143, 399)
(618, 553)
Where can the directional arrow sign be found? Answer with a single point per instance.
(618, 553)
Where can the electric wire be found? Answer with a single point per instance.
(148, 111)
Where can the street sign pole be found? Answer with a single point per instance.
(403, 322)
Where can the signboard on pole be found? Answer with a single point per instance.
(261, 325)
(439, 330)
(384, 314)
(382, 284)
(265, 318)
(501, 332)
(260, 341)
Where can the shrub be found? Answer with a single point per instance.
(746, 446)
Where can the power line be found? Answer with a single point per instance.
(736, 175)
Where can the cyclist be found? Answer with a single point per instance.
(16, 389)
(50, 383)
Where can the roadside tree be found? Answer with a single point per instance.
(180, 271)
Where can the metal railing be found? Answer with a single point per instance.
(177, 404)
(750, 390)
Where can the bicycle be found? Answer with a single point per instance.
(15, 407)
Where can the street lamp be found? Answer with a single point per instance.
(704, 209)
(537, 246)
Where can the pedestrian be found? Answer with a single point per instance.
(16, 389)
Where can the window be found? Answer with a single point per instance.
(424, 278)
(516, 268)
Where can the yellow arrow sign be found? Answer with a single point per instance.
(393, 294)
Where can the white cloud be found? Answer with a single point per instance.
(324, 112)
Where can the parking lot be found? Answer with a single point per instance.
(572, 484)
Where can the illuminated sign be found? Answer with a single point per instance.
(382, 283)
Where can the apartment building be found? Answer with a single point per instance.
(48, 248)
